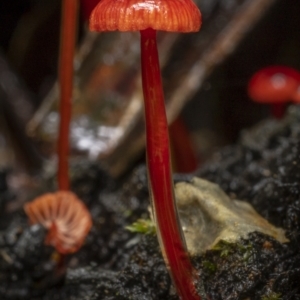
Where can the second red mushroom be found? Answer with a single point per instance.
(275, 85)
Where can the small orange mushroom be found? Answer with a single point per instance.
(67, 219)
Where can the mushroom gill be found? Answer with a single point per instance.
(65, 216)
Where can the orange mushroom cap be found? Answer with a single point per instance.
(274, 84)
(67, 219)
(135, 15)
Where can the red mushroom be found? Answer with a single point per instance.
(275, 85)
(147, 16)
(67, 219)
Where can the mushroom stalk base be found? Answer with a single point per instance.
(160, 174)
(67, 45)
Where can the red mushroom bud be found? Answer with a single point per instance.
(147, 16)
(67, 219)
(275, 85)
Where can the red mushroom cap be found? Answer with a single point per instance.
(134, 15)
(67, 219)
(274, 84)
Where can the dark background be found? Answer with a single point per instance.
(29, 41)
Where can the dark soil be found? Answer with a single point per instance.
(263, 168)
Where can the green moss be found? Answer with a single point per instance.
(224, 247)
(246, 250)
(227, 248)
(209, 266)
(271, 296)
(127, 213)
(142, 226)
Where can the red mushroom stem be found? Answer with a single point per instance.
(278, 110)
(67, 45)
(160, 174)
